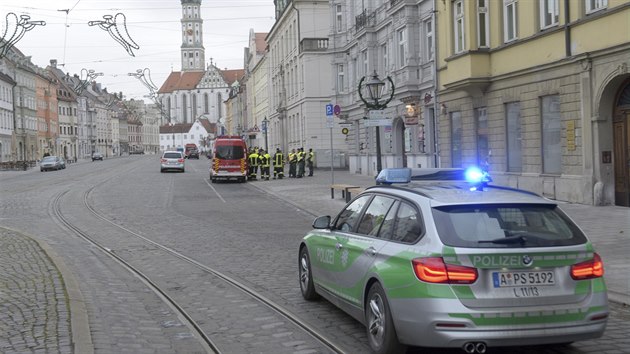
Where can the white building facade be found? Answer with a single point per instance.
(299, 73)
(394, 39)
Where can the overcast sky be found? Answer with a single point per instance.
(153, 24)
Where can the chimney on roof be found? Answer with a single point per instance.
(53, 63)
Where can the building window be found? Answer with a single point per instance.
(548, 13)
(514, 154)
(481, 126)
(340, 78)
(339, 17)
(402, 47)
(456, 139)
(551, 128)
(483, 31)
(458, 21)
(428, 39)
(364, 57)
(595, 5)
(385, 58)
(509, 20)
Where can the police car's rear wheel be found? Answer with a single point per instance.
(306, 277)
(380, 327)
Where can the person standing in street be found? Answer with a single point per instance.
(253, 165)
(292, 163)
(278, 164)
(309, 161)
(264, 160)
(301, 162)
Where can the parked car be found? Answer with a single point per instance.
(52, 163)
(97, 156)
(450, 263)
(172, 160)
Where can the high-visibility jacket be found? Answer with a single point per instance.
(278, 159)
(300, 156)
(265, 160)
(292, 157)
(253, 159)
(310, 156)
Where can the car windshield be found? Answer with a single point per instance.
(49, 159)
(504, 226)
(229, 152)
(172, 155)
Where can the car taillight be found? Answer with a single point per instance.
(162, 160)
(590, 269)
(434, 270)
(180, 160)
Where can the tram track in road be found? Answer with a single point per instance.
(163, 292)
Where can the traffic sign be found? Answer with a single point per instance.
(329, 110)
(378, 122)
(344, 131)
(376, 114)
(337, 110)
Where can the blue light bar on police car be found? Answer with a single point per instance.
(394, 175)
(477, 178)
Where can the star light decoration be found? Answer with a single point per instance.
(111, 24)
(14, 30)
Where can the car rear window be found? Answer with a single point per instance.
(229, 152)
(172, 155)
(505, 226)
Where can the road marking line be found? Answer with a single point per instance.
(215, 191)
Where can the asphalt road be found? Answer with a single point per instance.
(235, 228)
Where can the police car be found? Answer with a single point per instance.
(445, 259)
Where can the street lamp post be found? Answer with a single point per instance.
(375, 90)
(265, 127)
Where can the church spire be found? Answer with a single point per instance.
(192, 51)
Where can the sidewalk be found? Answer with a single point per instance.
(608, 227)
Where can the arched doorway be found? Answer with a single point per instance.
(621, 145)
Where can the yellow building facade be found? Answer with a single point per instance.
(539, 92)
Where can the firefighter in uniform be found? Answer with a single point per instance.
(292, 163)
(265, 160)
(278, 164)
(300, 160)
(309, 161)
(253, 165)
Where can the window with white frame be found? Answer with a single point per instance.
(551, 135)
(509, 20)
(458, 22)
(548, 13)
(402, 47)
(340, 78)
(595, 5)
(385, 57)
(364, 60)
(339, 18)
(428, 39)
(514, 137)
(483, 31)
(456, 139)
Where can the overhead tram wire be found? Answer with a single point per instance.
(65, 31)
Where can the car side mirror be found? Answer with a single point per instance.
(322, 222)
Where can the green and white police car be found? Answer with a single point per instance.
(435, 262)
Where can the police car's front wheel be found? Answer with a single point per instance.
(306, 277)
(380, 326)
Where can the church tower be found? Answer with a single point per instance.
(193, 56)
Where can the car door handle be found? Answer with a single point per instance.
(338, 246)
(371, 251)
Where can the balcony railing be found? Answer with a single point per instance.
(314, 45)
(365, 19)
(393, 3)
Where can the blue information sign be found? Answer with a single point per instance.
(329, 110)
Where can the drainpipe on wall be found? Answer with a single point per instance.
(436, 108)
(567, 28)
